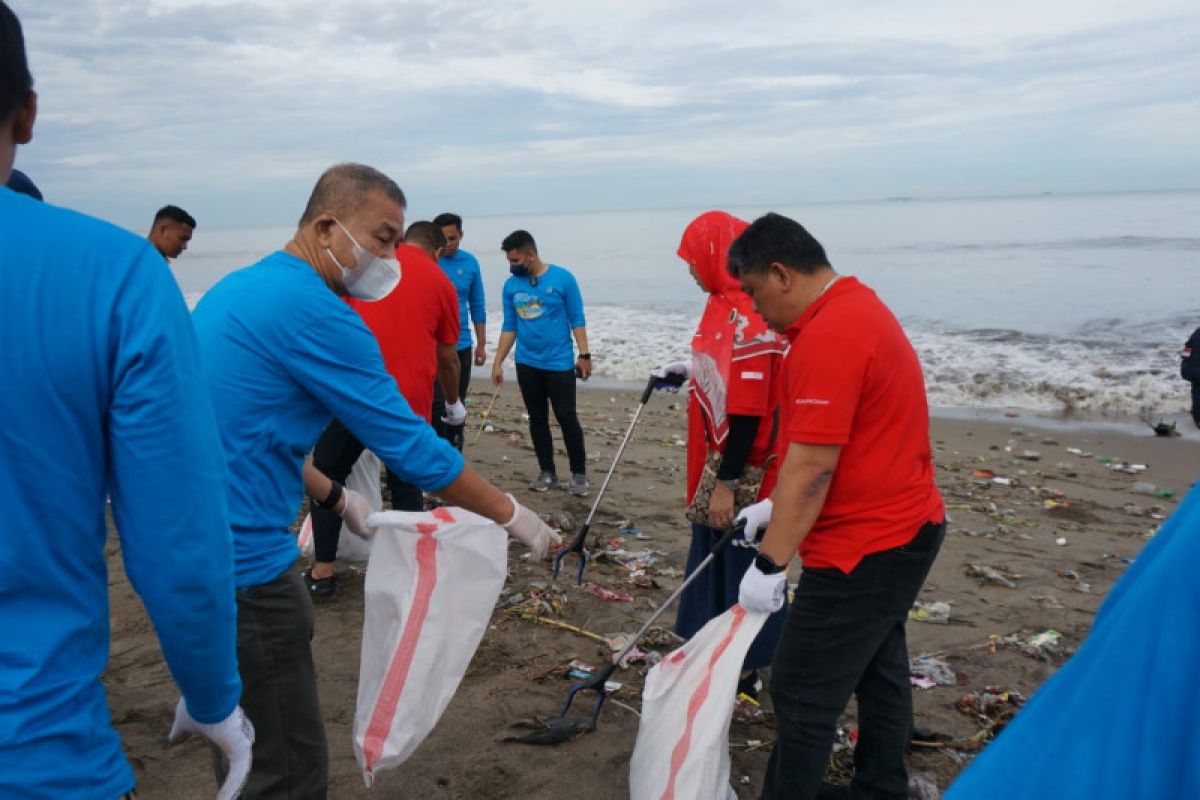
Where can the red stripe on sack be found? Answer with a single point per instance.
(696, 702)
(442, 514)
(393, 683)
(305, 532)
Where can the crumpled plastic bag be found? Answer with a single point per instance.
(364, 479)
(432, 583)
(682, 748)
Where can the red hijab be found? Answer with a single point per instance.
(729, 324)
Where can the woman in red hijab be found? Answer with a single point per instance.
(731, 425)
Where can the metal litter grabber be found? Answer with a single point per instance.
(597, 682)
(577, 545)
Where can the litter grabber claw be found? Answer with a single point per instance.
(598, 682)
(577, 545)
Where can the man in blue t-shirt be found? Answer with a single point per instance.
(284, 357)
(463, 270)
(542, 311)
(103, 393)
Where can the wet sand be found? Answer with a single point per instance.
(1061, 532)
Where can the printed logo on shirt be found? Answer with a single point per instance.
(810, 401)
(528, 306)
(752, 376)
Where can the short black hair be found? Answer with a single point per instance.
(446, 218)
(519, 240)
(775, 238)
(342, 188)
(426, 235)
(20, 182)
(15, 81)
(175, 214)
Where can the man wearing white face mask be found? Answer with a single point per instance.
(284, 355)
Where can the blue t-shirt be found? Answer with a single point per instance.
(463, 271)
(1119, 718)
(284, 356)
(102, 393)
(543, 317)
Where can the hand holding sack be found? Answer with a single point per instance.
(762, 593)
(456, 413)
(234, 735)
(354, 513)
(529, 529)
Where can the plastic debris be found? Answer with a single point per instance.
(937, 612)
(927, 671)
(1047, 601)
(991, 575)
(993, 705)
(608, 595)
(921, 787)
(1144, 487)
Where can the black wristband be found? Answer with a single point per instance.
(335, 497)
(766, 565)
(586, 356)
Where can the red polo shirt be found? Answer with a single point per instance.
(852, 378)
(418, 315)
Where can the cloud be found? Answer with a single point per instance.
(235, 107)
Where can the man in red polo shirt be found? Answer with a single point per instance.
(417, 330)
(855, 496)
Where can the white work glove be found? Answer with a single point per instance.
(671, 376)
(529, 529)
(234, 735)
(757, 517)
(456, 413)
(355, 510)
(762, 593)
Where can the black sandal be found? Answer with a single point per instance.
(320, 588)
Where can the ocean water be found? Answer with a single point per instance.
(1075, 305)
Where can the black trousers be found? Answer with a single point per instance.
(542, 387)
(453, 434)
(279, 692)
(845, 635)
(334, 455)
(1196, 403)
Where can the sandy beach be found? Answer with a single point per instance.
(1043, 523)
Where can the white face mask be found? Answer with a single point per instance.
(371, 277)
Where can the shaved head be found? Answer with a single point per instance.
(343, 188)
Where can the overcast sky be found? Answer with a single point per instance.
(231, 108)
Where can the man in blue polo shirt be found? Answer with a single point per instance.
(543, 309)
(285, 356)
(102, 393)
(463, 270)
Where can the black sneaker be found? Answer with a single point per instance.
(320, 588)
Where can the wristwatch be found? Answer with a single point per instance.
(335, 497)
(586, 356)
(766, 565)
(729, 483)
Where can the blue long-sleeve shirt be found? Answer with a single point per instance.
(102, 393)
(463, 271)
(284, 356)
(543, 317)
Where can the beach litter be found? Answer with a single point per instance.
(1044, 646)
(992, 575)
(993, 706)
(925, 672)
(921, 787)
(1047, 601)
(936, 612)
(609, 595)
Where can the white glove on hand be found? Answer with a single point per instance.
(527, 527)
(762, 593)
(234, 735)
(355, 511)
(456, 413)
(671, 376)
(757, 517)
